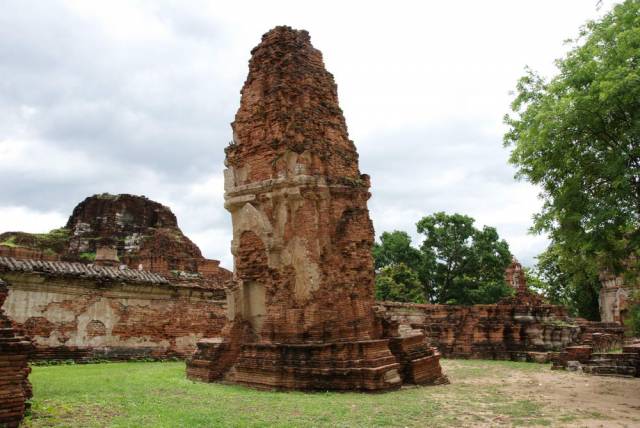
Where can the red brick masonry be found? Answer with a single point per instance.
(302, 305)
(74, 311)
(15, 388)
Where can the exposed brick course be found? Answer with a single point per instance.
(15, 388)
(589, 360)
(80, 313)
(500, 331)
(519, 327)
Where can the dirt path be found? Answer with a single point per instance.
(566, 398)
(617, 400)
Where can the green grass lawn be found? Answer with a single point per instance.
(159, 395)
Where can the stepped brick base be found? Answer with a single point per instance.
(15, 388)
(367, 365)
(362, 365)
(419, 362)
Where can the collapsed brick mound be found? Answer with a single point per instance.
(15, 388)
(134, 226)
(119, 230)
(301, 307)
(587, 359)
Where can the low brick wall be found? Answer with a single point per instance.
(584, 357)
(71, 317)
(501, 331)
(602, 336)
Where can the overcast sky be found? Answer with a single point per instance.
(137, 97)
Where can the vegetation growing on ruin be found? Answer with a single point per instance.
(456, 263)
(54, 241)
(482, 393)
(9, 242)
(633, 318)
(577, 136)
(88, 256)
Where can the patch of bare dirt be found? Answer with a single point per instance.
(570, 399)
(597, 401)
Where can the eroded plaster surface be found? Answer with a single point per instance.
(63, 313)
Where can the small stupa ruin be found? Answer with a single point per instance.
(301, 306)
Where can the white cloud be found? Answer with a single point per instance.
(24, 219)
(137, 97)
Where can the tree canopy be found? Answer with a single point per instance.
(467, 264)
(399, 283)
(577, 136)
(456, 263)
(395, 247)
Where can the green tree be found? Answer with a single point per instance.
(633, 319)
(577, 136)
(569, 279)
(466, 264)
(399, 283)
(535, 282)
(395, 247)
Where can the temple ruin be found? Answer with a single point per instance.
(301, 308)
(120, 281)
(616, 297)
(15, 388)
(522, 327)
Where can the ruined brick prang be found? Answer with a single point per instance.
(15, 388)
(302, 239)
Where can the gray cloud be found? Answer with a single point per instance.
(109, 97)
(452, 167)
(137, 98)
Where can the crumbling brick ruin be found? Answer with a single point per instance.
(522, 327)
(120, 281)
(116, 230)
(15, 388)
(501, 331)
(616, 297)
(590, 360)
(73, 311)
(301, 308)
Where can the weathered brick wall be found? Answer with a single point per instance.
(26, 253)
(587, 358)
(501, 331)
(15, 388)
(80, 318)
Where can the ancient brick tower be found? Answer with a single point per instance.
(301, 306)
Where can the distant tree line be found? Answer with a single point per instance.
(456, 263)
